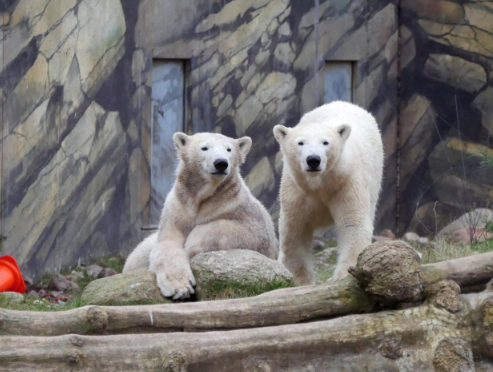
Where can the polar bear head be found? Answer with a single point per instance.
(311, 149)
(210, 155)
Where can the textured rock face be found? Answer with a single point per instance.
(446, 111)
(236, 266)
(76, 109)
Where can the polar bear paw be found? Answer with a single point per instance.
(177, 283)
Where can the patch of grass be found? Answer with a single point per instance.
(323, 274)
(444, 250)
(34, 304)
(232, 290)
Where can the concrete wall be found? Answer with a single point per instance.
(76, 97)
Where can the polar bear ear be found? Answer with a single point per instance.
(280, 132)
(180, 140)
(244, 143)
(344, 131)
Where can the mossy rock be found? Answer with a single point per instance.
(10, 298)
(237, 273)
(133, 288)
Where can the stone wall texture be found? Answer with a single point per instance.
(446, 111)
(76, 110)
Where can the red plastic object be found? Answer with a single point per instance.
(10, 276)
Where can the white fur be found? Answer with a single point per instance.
(206, 210)
(343, 192)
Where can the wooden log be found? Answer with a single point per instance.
(465, 271)
(283, 306)
(441, 333)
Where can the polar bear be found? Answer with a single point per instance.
(332, 174)
(209, 208)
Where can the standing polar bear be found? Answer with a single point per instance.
(332, 173)
(209, 208)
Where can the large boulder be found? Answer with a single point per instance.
(220, 274)
(238, 270)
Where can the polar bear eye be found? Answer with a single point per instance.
(326, 143)
(204, 148)
(300, 143)
(229, 150)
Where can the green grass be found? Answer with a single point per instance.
(444, 250)
(31, 304)
(487, 159)
(232, 290)
(322, 274)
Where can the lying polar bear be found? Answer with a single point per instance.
(209, 208)
(332, 174)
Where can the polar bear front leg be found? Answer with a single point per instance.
(354, 228)
(296, 242)
(169, 261)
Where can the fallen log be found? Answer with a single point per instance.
(283, 306)
(446, 333)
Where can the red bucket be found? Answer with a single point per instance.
(10, 276)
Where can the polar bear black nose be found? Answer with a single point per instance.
(221, 164)
(313, 162)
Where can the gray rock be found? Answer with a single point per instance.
(133, 288)
(60, 283)
(238, 266)
(318, 244)
(410, 237)
(9, 298)
(75, 276)
(93, 270)
(106, 272)
(33, 294)
(476, 219)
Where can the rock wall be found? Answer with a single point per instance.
(446, 111)
(76, 103)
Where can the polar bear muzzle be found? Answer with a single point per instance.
(221, 165)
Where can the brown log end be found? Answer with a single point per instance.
(453, 354)
(356, 274)
(390, 270)
(174, 361)
(391, 348)
(445, 295)
(97, 318)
